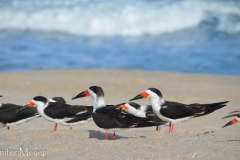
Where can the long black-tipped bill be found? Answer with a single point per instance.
(82, 94)
(0, 96)
(228, 124)
(234, 111)
(137, 97)
(23, 107)
(234, 115)
(234, 121)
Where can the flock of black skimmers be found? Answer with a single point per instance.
(112, 118)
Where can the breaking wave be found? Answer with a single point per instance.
(119, 18)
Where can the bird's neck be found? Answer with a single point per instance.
(156, 103)
(141, 112)
(40, 108)
(98, 103)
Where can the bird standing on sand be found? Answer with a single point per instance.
(233, 121)
(174, 112)
(107, 117)
(143, 111)
(80, 118)
(10, 117)
(57, 112)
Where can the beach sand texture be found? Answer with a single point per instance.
(200, 138)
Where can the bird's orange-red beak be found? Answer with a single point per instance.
(140, 96)
(123, 107)
(86, 93)
(82, 94)
(234, 121)
(144, 94)
(30, 104)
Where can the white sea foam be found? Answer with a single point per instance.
(118, 18)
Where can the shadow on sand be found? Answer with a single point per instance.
(101, 136)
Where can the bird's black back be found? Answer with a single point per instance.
(9, 114)
(109, 117)
(176, 110)
(60, 110)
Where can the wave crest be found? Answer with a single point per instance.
(114, 18)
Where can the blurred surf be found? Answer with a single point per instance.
(171, 35)
(119, 18)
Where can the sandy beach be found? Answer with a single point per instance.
(200, 138)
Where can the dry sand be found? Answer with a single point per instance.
(200, 138)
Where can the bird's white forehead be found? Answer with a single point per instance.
(149, 92)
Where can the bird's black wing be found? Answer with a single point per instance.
(58, 110)
(205, 109)
(176, 110)
(9, 114)
(108, 117)
(8, 107)
(78, 109)
(83, 117)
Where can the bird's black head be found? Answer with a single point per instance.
(97, 90)
(93, 91)
(156, 91)
(40, 99)
(59, 99)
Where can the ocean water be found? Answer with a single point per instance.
(192, 36)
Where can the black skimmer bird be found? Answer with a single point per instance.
(10, 117)
(80, 118)
(143, 111)
(58, 112)
(108, 117)
(174, 112)
(233, 121)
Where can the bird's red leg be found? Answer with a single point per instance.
(114, 136)
(172, 127)
(158, 128)
(169, 128)
(106, 135)
(55, 127)
(70, 128)
(7, 128)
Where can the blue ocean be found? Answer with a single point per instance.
(190, 36)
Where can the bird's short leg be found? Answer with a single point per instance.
(7, 128)
(114, 136)
(106, 135)
(172, 127)
(70, 128)
(55, 127)
(169, 128)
